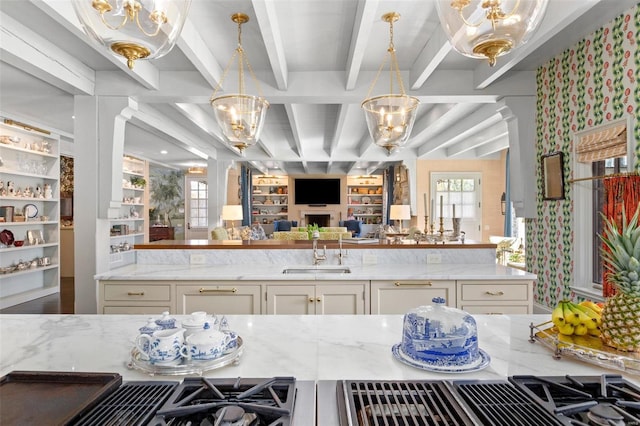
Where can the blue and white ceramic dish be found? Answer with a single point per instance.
(483, 360)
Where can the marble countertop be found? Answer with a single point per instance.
(313, 347)
(358, 272)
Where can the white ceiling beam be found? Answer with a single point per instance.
(295, 128)
(558, 15)
(35, 55)
(189, 141)
(363, 22)
(492, 148)
(325, 87)
(340, 128)
(144, 72)
(429, 127)
(197, 51)
(475, 140)
(433, 53)
(271, 35)
(477, 121)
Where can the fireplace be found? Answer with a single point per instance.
(323, 220)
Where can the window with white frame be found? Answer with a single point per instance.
(598, 152)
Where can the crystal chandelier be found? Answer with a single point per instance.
(240, 116)
(487, 29)
(390, 117)
(134, 29)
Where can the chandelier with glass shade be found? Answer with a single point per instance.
(240, 116)
(487, 29)
(390, 117)
(133, 29)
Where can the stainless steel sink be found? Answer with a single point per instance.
(317, 270)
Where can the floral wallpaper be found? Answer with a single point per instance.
(66, 176)
(589, 84)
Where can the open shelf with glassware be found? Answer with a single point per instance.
(365, 198)
(130, 227)
(270, 198)
(29, 213)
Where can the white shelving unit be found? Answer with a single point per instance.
(30, 163)
(131, 227)
(270, 198)
(365, 197)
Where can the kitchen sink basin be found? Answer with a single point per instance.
(317, 270)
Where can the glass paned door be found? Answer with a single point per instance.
(196, 211)
(459, 194)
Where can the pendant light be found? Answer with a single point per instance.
(133, 29)
(240, 116)
(487, 29)
(390, 117)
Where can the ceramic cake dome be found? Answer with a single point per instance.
(441, 338)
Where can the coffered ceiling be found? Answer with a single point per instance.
(315, 60)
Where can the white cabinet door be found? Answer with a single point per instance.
(291, 299)
(342, 299)
(398, 297)
(220, 298)
(495, 297)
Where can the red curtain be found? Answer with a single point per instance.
(620, 192)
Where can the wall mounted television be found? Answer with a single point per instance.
(317, 191)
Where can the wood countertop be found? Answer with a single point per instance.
(298, 244)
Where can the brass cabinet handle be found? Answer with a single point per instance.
(318, 299)
(494, 293)
(135, 293)
(399, 284)
(218, 290)
(311, 300)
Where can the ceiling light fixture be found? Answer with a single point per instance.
(240, 116)
(135, 29)
(390, 117)
(487, 29)
(196, 170)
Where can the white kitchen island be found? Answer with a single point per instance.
(313, 347)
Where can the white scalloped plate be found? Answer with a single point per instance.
(482, 362)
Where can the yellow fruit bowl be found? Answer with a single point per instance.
(585, 348)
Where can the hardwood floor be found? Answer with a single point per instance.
(59, 303)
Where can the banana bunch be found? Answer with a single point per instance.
(579, 319)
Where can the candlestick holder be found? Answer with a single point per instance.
(441, 230)
(426, 224)
(456, 226)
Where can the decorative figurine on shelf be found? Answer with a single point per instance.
(48, 193)
(133, 212)
(3, 190)
(38, 192)
(28, 192)
(11, 190)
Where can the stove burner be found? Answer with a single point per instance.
(607, 400)
(229, 402)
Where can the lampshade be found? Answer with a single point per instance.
(390, 117)
(232, 212)
(487, 29)
(134, 29)
(240, 116)
(400, 212)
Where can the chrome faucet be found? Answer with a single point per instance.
(317, 257)
(340, 254)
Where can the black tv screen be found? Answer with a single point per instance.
(317, 191)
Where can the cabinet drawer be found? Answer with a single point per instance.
(149, 292)
(496, 309)
(136, 310)
(492, 291)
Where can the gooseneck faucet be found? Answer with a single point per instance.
(317, 257)
(341, 255)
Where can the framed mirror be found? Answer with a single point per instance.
(552, 176)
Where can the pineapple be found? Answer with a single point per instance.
(621, 313)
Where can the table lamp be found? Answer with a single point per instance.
(232, 213)
(400, 212)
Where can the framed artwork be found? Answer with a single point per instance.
(552, 176)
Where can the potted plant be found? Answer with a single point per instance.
(138, 182)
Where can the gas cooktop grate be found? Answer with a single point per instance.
(502, 404)
(132, 404)
(408, 403)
